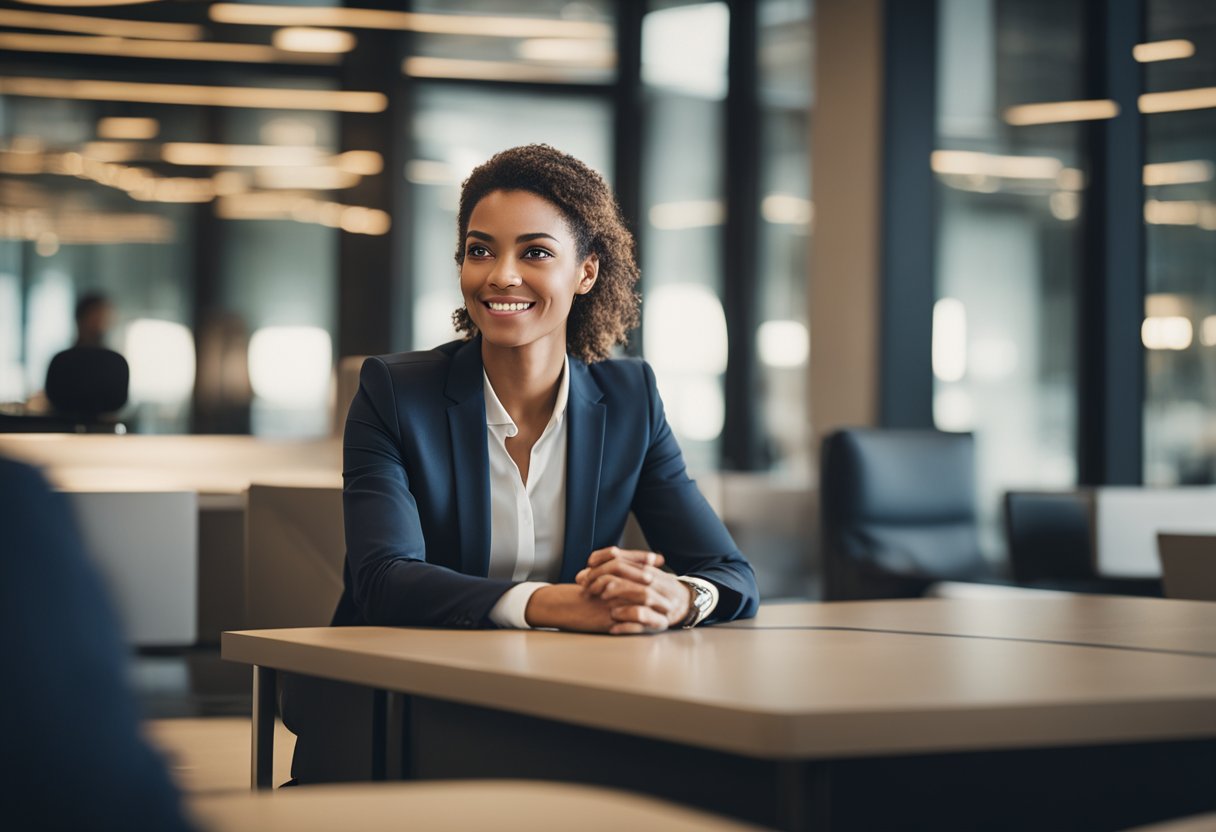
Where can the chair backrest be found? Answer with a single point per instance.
(348, 370)
(294, 555)
(1188, 565)
(87, 381)
(1049, 535)
(898, 512)
(146, 546)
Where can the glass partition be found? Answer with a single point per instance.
(684, 73)
(1009, 226)
(1179, 331)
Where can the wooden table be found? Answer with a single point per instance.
(1149, 624)
(515, 806)
(806, 716)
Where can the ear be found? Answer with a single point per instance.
(591, 272)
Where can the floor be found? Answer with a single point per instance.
(197, 708)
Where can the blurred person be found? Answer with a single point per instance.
(73, 758)
(88, 379)
(488, 480)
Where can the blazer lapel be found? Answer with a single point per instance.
(584, 455)
(470, 457)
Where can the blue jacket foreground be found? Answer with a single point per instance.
(417, 489)
(72, 756)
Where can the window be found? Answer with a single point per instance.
(1004, 358)
(1179, 331)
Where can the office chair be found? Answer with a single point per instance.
(898, 513)
(295, 551)
(1051, 545)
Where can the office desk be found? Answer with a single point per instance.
(217, 468)
(796, 728)
(452, 807)
(1150, 624)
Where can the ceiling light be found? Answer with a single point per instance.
(567, 50)
(128, 128)
(439, 24)
(99, 25)
(306, 39)
(362, 162)
(111, 151)
(1057, 112)
(693, 213)
(785, 209)
(1178, 173)
(1171, 102)
(1163, 50)
(238, 155)
(80, 4)
(307, 179)
(423, 67)
(171, 50)
(189, 94)
(972, 163)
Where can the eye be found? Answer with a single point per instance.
(477, 250)
(537, 253)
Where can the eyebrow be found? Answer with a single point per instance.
(522, 238)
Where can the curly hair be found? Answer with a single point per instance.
(604, 316)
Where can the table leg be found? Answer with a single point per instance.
(395, 742)
(261, 763)
(388, 734)
(804, 799)
(379, 737)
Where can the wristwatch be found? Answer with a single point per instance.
(700, 604)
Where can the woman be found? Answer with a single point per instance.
(487, 481)
(471, 498)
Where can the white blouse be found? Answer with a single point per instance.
(528, 522)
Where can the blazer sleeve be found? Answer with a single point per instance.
(679, 522)
(390, 581)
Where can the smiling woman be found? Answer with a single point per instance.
(488, 481)
(586, 211)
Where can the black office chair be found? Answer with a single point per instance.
(1051, 545)
(898, 513)
(85, 382)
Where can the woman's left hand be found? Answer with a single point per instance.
(644, 598)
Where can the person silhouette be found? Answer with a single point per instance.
(88, 379)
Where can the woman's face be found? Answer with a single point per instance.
(522, 270)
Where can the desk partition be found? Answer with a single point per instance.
(146, 546)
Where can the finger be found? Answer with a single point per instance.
(595, 588)
(637, 614)
(631, 572)
(600, 556)
(582, 577)
(627, 629)
(631, 594)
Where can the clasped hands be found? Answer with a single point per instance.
(620, 591)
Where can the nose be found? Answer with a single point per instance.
(505, 274)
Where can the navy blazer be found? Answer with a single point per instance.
(417, 489)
